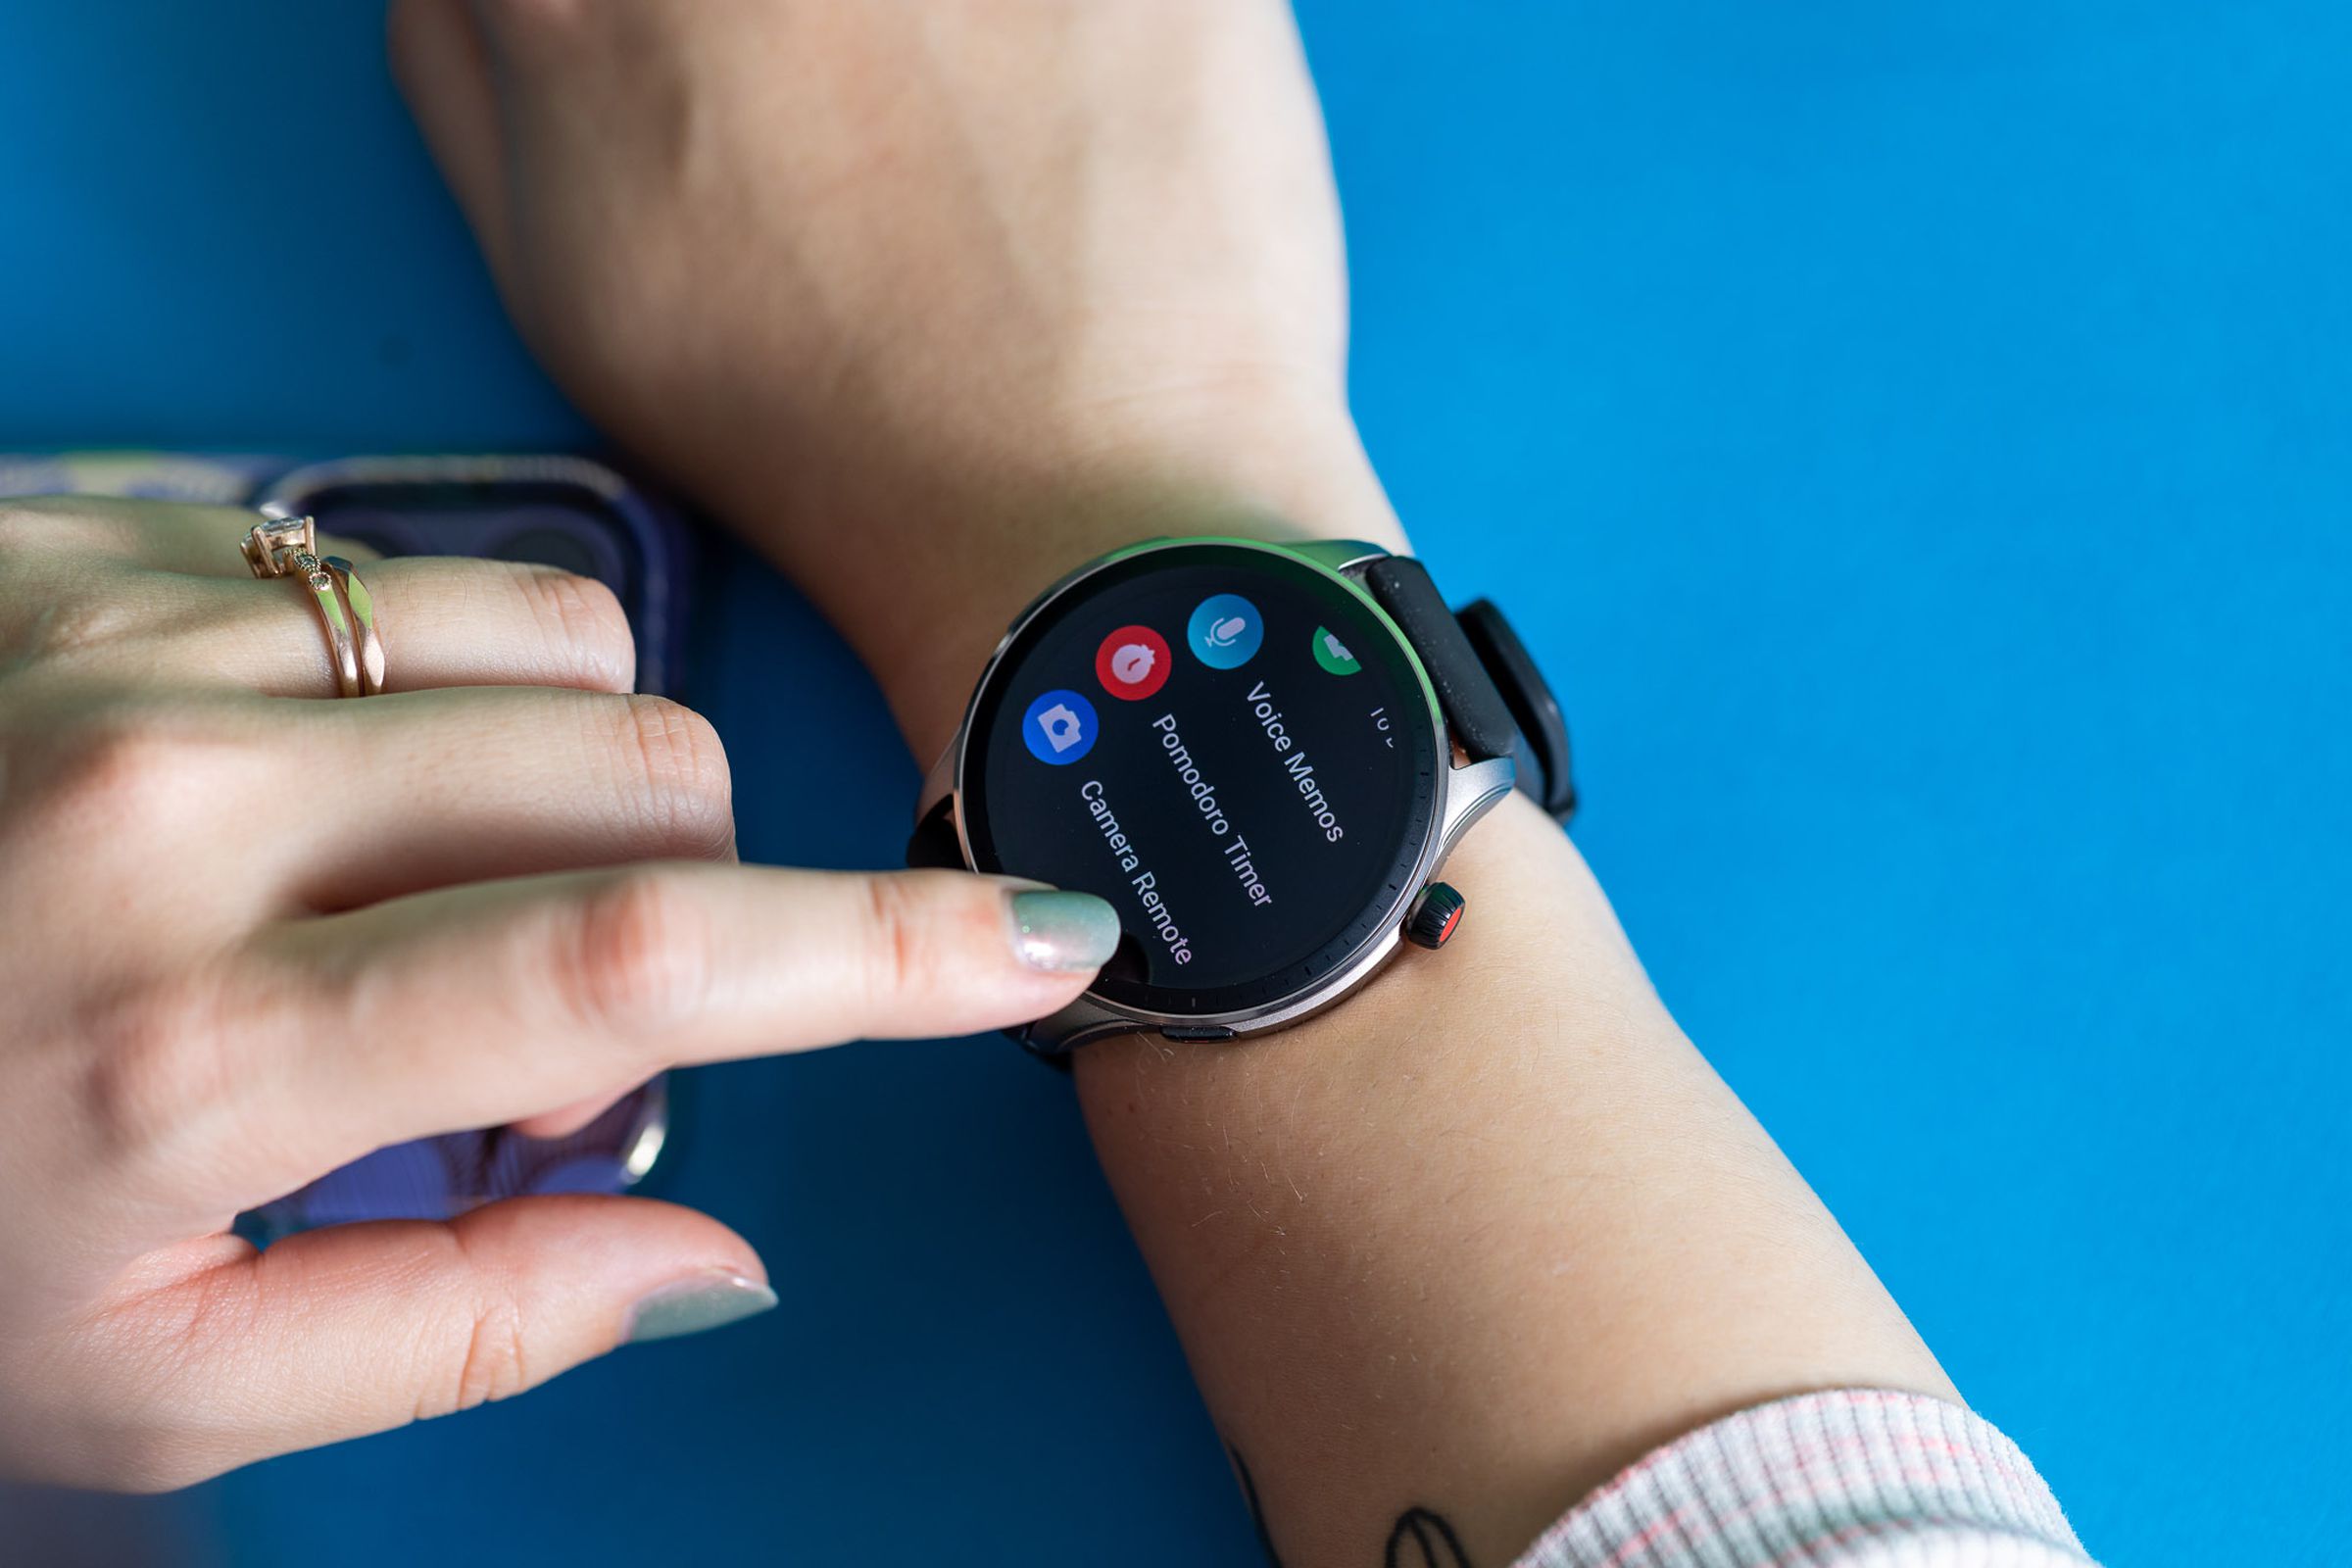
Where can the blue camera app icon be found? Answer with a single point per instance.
(1059, 727)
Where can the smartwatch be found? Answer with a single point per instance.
(1259, 753)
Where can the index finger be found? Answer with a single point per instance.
(483, 1005)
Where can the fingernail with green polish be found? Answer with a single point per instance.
(692, 1306)
(1060, 931)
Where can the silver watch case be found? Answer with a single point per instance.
(1467, 791)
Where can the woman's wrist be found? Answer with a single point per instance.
(921, 560)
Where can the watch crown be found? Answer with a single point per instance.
(1434, 915)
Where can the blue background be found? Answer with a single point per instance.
(1918, 440)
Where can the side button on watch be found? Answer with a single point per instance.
(1434, 915)
(1261, 755)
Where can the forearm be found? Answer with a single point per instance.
(1482, 1234)
(938, 302)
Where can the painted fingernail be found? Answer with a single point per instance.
(692, 1306)
(1063, 931)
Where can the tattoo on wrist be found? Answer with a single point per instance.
(1421, 1538)
(1424, 1540)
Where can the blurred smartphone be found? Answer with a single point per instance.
(559, 511)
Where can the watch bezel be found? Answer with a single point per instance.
(1432, 831)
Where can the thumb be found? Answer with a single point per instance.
(356, 1329)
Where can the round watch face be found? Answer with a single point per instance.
(1231, 746)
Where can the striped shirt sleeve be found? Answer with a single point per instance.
(1857, 1478)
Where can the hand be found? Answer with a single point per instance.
(935, 301)
(252, 937)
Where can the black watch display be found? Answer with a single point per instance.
(1259, 753)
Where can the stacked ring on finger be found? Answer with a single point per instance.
(284, 545)
(362, 605)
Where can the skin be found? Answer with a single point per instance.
(254, 935)
(935, 301)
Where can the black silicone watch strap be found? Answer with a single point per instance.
(1490, 689)
(933, 845)
(1467, 694)
(1544, 758)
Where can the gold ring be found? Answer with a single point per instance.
(281, 544)
(362, 605)
(279, 535)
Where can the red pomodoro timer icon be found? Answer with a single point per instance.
(1131, 663)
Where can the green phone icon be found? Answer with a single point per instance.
(1332, 655)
